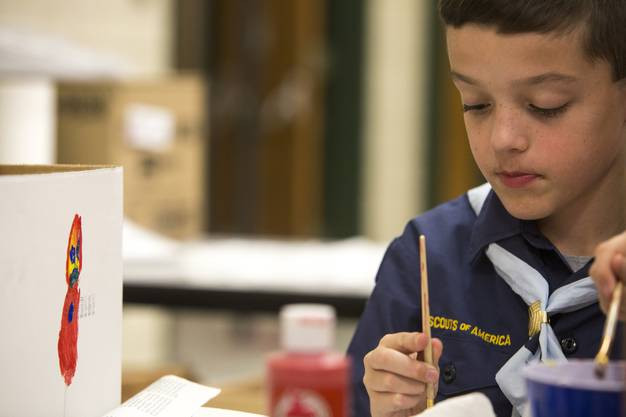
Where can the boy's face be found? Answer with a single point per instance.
(546, 125)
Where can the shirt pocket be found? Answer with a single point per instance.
(468, 364)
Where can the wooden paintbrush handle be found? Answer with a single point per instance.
(428, 350)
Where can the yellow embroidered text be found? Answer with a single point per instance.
(438, 322)
(494, 339)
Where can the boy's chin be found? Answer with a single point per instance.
(525, 209)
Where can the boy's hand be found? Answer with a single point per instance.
(395, 379)
(608, 267)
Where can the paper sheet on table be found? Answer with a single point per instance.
(475, 404)
(169, 396)
(219, 412)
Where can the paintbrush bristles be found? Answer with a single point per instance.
(428, 350)
(602, 358)
(600, 366)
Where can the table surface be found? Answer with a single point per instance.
(251, 274)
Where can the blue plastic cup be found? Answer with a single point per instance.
(571, 389)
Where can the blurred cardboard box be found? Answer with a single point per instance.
(156, 130)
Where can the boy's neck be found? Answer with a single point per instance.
(578, 229)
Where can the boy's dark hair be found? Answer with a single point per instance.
(605, 21)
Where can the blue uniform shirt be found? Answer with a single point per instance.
(477, 316)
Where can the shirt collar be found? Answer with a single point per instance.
(494, 223)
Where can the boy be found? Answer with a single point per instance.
(544, 93)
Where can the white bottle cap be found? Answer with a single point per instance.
(307, 328)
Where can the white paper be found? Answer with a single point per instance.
(219, 412)
(36, 216)
(475, 404)
(169, 396)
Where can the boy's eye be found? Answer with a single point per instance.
(474, 107)
(551, 112)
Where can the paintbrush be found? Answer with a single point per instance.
(602, 358)
(428, 350)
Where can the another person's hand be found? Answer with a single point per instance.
(608, 268)
(396, 376)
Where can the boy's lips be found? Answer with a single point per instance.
(516, 179)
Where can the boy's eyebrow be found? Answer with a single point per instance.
(469, 80)
(534, 80)
(547, 77)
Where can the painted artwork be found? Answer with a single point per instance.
(60, 318)
(68, 335)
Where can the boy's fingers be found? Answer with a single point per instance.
(618, 266)
(404, 342)
(603, 271)
(384, 359)
(608, 267)
(390, 382)
(437, 350)
(602, 274)
(410, 343)
(387, 402)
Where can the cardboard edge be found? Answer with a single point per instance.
(15, 170)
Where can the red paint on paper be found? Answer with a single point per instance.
(68, 335)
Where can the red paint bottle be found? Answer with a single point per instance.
(307, 379)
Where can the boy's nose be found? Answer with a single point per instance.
(508, 133)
